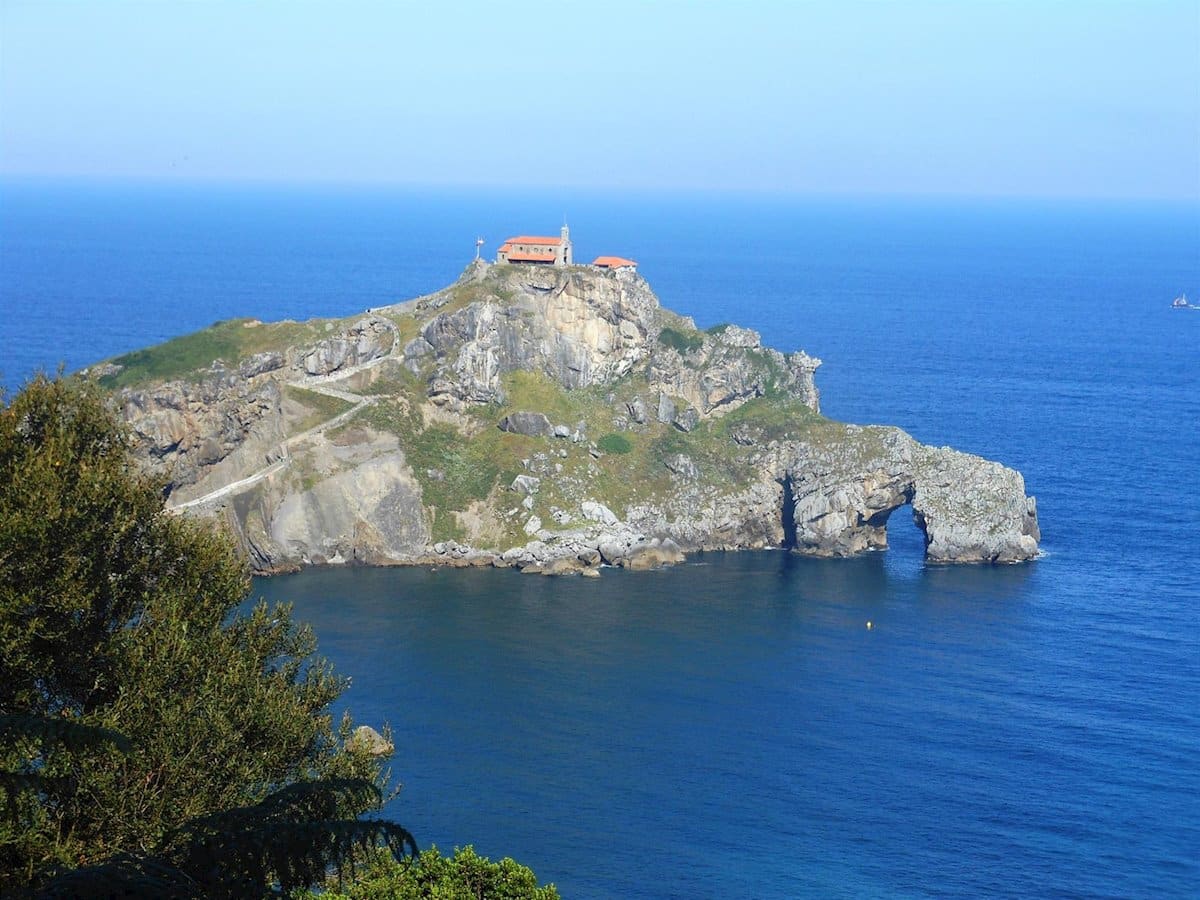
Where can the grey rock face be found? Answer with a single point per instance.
(369, 513)
(578, 327)
(188, 430)
(687, 420)
(970, 509)
(533, 424)
(730, 368)
(367, 339)
(666, 409)
(638, 411)
(261, 363)
(683, 466)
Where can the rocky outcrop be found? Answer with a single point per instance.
(843, 493)
(368, 339)
(213, 428)
(729, 368)
(578, 327)
(552, 420)
(209, 430)
(366, 739)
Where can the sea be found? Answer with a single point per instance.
(731, 727)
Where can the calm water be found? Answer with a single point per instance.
(729, 727)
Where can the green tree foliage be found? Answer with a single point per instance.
(275, 847)
(431, 876)
(119, 617)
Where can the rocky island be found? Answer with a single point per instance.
(547, 418)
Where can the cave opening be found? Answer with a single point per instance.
(788, 514)
(903, 542)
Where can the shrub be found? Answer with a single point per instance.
(614, 443)
(463, 876)
(684, 342)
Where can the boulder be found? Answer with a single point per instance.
(683, 466)
(532, 424)
(637, 410)
(564, 565)
(654, 555)
(367, 739)
(687, 420)
(597, 512)
(526, 484)
(666, 409)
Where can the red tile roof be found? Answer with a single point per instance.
(526, 239)
(613, 262)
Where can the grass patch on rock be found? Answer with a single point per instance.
(321, 407)
(614, 443)
(683, 342)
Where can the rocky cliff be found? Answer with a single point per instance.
(545, 418)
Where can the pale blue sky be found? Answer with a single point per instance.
(1097, 99)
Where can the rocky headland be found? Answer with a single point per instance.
(544, 418)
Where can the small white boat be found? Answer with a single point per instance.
(1180, 302)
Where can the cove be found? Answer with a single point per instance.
(733, 719)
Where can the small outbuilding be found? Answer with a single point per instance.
(613, 262)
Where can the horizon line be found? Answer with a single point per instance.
(794, 192)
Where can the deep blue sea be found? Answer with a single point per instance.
(729, 727)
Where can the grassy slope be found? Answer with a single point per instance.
(232, 340)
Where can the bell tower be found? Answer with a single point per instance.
(566, 257)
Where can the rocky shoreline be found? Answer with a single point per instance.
(551, 420)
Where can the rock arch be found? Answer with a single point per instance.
(849, 516)
(968, 508)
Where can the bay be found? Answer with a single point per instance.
(730, 727)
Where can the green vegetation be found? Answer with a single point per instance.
(453, 470)
(682, 341)
(773, 419)
(469, 470)
(719, 328)
(614, 443)
(322, 407)
(231, 340)
(407, 325)
(153, 741)
(774, 374)
(392, 378)
(463, 876)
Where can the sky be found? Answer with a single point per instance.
(1080, 99)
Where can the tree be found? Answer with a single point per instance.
(463, 876)
(181, 723)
